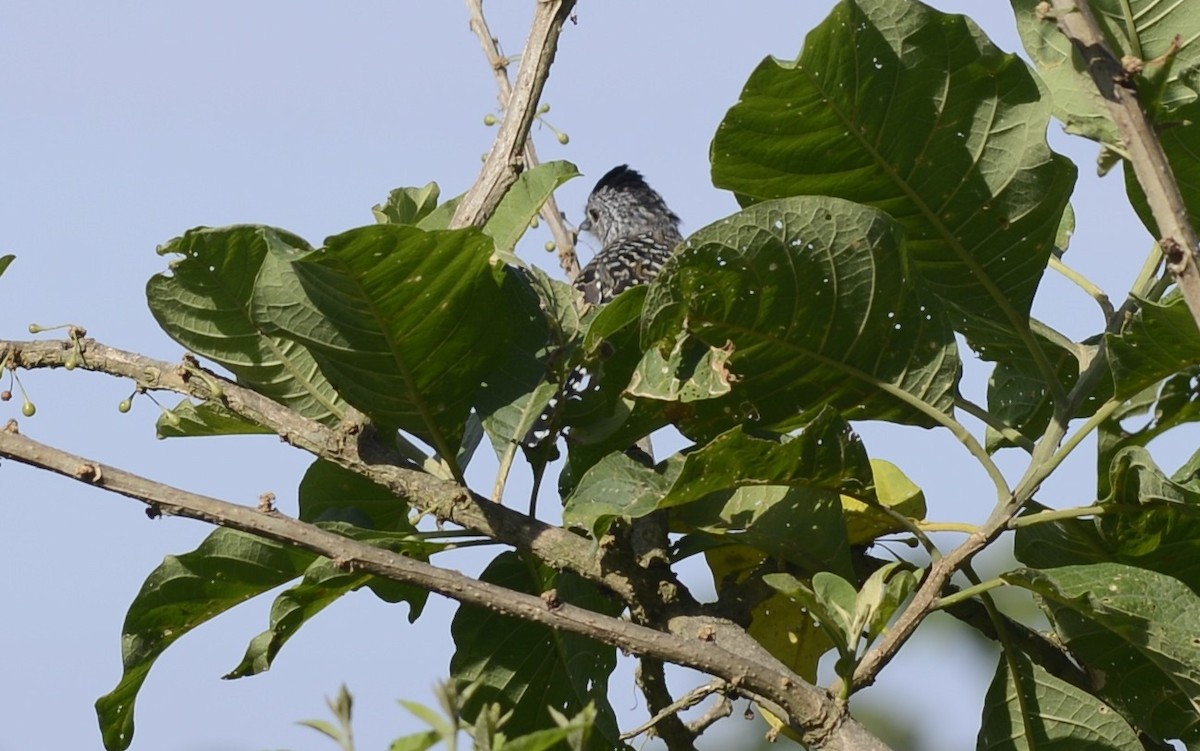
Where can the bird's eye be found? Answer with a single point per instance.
(593, 214)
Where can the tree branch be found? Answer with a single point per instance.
(564, 239)
(1140, 140)
(504, 161)
(810, 711)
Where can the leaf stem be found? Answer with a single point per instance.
(987, 418)
(967, 594)
(1044, 517)
(1085, 284)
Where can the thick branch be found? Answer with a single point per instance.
(350, 448)
(564, 239)
(504, 161)
(813, 712)
(1140, 140)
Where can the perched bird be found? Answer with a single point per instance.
(637, 234)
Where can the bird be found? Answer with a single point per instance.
(638, 233)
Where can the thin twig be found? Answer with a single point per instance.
(505, 160)
(687, 701)
(652, 679)
(564, 239)
(1140, 140)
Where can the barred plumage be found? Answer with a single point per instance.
(637, 234)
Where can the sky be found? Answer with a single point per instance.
(124, 124)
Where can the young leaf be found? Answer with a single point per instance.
(189, 419)
(407, 205)
(5, 261)
(894, 491)
(915, 112)
(524, 200)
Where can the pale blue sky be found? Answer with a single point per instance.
(124, 124)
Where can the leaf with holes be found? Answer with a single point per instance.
(914, 112)
(809, 297)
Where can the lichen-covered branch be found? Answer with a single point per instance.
(1140, 141)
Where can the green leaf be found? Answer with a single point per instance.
(809, 296)
(690, 372)
(517, 390)
(416, 742)
(914, 112)
(1135, 631)
(1161, 341)
(205, 305)
(527, 667)
(227, 569)
(829, 599)
(524, 200)
(1028, 708)
(881, 595)
(325, 582)
(406, 324)
(826, 459)
(407, 205)
(618, 486)
(827, 454)
(189, 419)
(784, 627)
(5, 261)
(1152, 522)
(801, 525)
(893, 490)
(329, 493)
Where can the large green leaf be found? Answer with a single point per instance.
(914, 112)
(325, 582)
(1161, 341)
(205, 305)
(1029, 709)
(1135, 630)
(527, 667)
(809, 296)
(227, 569)
(1151, 521)
(405, 323)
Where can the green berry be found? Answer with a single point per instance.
(28, 409)
(125, 405)
(489, 119)
(564, 139)
(543, 109)
(550, 246)
(35, 329)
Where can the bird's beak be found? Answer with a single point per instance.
(585, 225)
